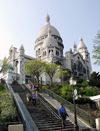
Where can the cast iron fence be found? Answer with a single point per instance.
(80, 113)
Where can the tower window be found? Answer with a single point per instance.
(74, 66)
(86, 56)
(44, 53)
(57, 52)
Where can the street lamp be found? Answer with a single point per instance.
(73, 82)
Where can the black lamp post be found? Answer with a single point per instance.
(73, 82)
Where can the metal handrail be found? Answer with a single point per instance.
(49, 108)
(86, 117)
(46, 105)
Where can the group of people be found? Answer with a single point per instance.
(34, 89)
(32, 97)
(62, 111)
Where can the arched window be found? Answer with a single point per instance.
(45, 53)
(84, 70)
(39, 51)
(80, 66)
(74, 66)
(57, 52)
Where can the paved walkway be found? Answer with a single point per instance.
(56, 104)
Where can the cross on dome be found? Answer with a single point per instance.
(47, 19)
(81, 39)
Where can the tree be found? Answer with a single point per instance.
(5, 66)
(50, 70)
(0, 66)
(95, 79)
(96, 48)
(34, 67)
(61, 73)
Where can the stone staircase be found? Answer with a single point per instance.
(43, 118)
(44, 114)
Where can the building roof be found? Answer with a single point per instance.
(44, 30)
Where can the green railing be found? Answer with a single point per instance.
(80, 113)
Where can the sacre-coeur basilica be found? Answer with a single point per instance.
(49, 47)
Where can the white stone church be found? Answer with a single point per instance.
(49, 47)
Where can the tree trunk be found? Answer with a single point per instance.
(38, 81)
(61, 81)
(50, 80)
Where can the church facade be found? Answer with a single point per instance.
(49, 47)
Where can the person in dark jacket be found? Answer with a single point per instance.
(62, 113)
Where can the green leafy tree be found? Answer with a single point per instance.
(50, 70)
(95, 79)
(61, 73)
(4, 66)
(96, 48)
(34, 67)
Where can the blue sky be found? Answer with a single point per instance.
(21, 20)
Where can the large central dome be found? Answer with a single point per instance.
(44, 30)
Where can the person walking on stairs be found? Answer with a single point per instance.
(34, 98)
(62, 113)
(28, 97)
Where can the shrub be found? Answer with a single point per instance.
(95, 91)
(84, 83)
(66, 90)
(7, 109)
(89, 92)
(83, 101)
(95, 79)
(2, 88)
(69, 97)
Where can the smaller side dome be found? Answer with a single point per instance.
(22, 47)
(49, 41)
(81, 44)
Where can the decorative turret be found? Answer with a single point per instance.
(75, 47)
(81, 44)
(22, 47)
(21, 50)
